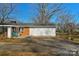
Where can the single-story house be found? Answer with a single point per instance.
(25, 30)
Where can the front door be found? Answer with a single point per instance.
(24, 32)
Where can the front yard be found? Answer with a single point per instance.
(39, 47)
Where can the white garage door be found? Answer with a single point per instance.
(43, 31)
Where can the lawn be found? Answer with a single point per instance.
(23, 47)
(75, 37)
(37, 46)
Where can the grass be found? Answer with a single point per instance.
(73, 38)
(30, 48)
(15, 53)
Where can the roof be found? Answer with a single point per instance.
(9, 22)
(29, 25)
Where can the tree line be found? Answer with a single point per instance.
(66, 22)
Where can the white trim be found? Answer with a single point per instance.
(31, 26)
(10, 25)
(7, 25)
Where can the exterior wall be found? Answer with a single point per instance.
(43, 32)
(54, 32)
(25, 32)
(34, 32)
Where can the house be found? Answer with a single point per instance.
(8, 22)
(25, 30)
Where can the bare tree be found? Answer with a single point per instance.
(45, 12)
(67, 23)
(5, 12)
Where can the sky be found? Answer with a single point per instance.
(25, 12)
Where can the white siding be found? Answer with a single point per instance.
(9, 32)
(54, 32)
(43, 31)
